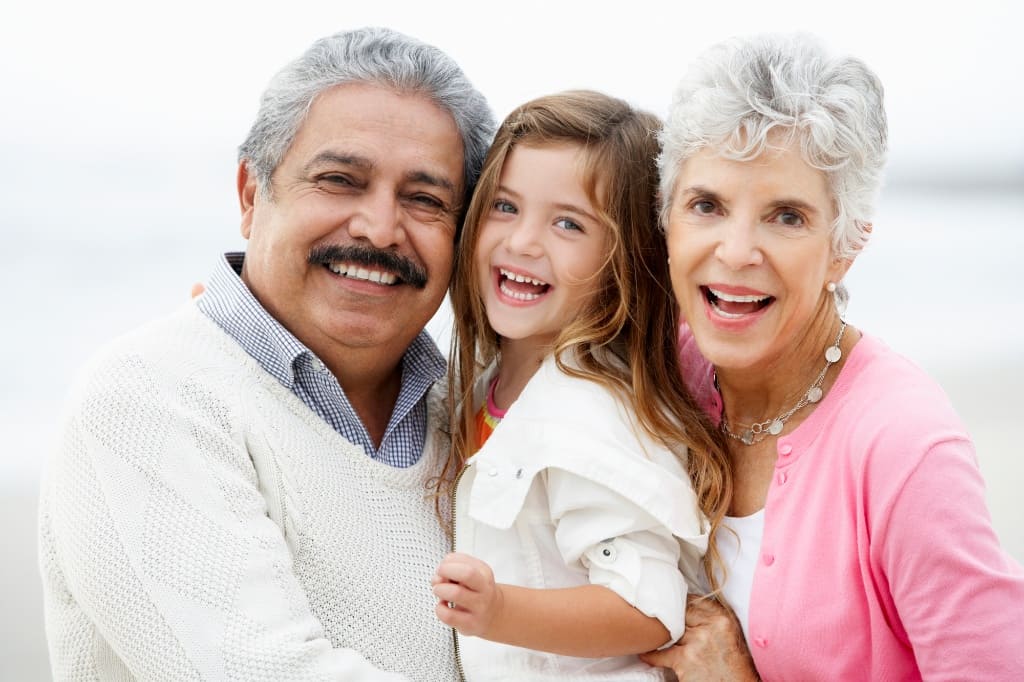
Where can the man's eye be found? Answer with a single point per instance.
(427, 201)
(335, 179)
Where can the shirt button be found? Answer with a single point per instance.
(493, 471)
(760, 642)
(785, 449)
(769, 559)
(318, 365)
(519, 473)
(782, 477)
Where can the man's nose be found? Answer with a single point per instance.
(378, 220)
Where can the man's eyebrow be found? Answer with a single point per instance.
(340, 159)
(431, 179)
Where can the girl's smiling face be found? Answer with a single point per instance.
(541, 246)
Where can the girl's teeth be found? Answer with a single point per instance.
(518, 295)
(516, 277)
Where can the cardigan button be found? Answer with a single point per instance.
(768, 558)
(785, 449)
(782, 477)
(760, 642)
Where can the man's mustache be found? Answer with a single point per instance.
(404, 269)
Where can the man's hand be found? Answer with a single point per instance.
(712, 647)
(469, 599)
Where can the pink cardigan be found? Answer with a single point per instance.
(879, 561)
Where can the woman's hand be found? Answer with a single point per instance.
(712, 647)
(469, 599)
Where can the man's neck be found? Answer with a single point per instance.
(372, 380)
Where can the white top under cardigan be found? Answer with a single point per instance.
(198, 521)
(568, 491)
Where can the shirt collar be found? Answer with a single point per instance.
(229, 302)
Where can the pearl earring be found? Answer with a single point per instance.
(830, 287)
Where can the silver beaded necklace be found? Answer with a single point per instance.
(755, 433)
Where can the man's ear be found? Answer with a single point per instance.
(246, 182)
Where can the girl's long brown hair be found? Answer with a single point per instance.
(625, 338)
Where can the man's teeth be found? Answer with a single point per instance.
(518, 295)
(738, 299)
(516, 277)
(357, 272)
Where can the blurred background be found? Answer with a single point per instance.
(120, 122)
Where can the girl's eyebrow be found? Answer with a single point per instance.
(502, 189)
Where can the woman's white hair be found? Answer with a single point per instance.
(743, 91)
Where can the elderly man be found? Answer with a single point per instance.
(241, 489)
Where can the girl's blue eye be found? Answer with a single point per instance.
(502, 206)
(568, 224)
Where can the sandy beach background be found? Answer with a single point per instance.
(940, 284)
(117, 147)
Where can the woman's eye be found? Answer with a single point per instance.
(790, 218)
(704, 207)
(569, 224)
(502, 206)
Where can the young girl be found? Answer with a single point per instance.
(576, 526)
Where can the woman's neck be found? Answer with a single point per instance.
(518, 361)
(763, 392)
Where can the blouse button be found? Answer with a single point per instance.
(760, 642)
(769, 559)
(785, 449)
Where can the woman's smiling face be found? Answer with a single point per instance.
(750, 250)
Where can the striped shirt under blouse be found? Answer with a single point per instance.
(228, 302)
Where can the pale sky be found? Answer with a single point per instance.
(98, 90)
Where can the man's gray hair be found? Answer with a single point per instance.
(741, 90)
(368, 55)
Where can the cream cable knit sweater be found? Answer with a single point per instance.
(197, 521)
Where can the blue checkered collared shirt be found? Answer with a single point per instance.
(230, 304)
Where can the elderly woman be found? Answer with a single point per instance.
(857, 544)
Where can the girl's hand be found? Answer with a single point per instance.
(469, 599)
(712, 647)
